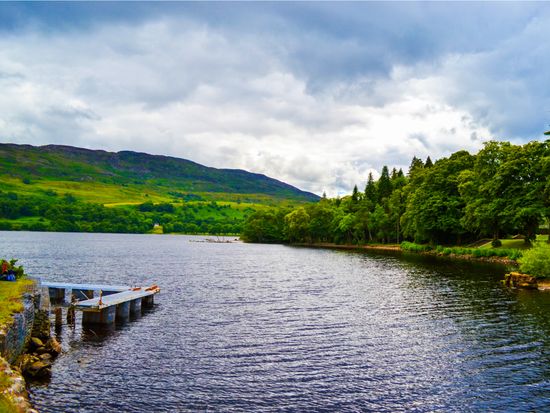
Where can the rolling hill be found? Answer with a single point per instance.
(128, 177)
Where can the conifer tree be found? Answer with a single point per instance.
(384, 184)
(428, 163)
(370, 189)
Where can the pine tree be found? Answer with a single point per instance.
(355, 194)
(428, 163)
(384, 184)
(370, 189)
(416, 164)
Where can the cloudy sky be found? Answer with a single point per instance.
(314, 94)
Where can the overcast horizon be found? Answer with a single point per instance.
(313, 94)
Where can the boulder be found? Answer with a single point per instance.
(39, 369)
(45, 357)
(36, 342)
(519, 280)
(26, 360)
(42, 350)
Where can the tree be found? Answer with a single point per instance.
(481, 190)
(416, 165)
(321, 216)
(428, 163)
(370, 190)
(435, 207)
(296, 226)
(264, 226)
(355, 194)
(384, 185)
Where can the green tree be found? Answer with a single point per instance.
(296, 225)
(536, 261)
(482, 192)
(370, 191)
(435, 207)
(384, 187)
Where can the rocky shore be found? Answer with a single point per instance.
(27, 351)
(519, 280)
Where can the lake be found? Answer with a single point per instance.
(247, 327)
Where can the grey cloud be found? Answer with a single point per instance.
(315, 94)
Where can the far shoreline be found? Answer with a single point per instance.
(397, 248)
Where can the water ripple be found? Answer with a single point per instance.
(245, 328)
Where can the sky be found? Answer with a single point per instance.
(316, 94)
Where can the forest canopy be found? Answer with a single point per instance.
(503, 190)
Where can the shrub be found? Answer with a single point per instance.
(536, 261)
(496, 243)
(411, 246)
(9, 267)
(515, 254)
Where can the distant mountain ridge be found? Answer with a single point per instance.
(68, 163)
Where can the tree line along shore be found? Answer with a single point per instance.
(495, 203)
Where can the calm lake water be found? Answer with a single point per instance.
(242, 327)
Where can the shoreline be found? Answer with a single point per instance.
(396, 248)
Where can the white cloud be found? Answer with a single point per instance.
(229, 99)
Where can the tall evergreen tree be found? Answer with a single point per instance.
(355, 194)
(428, 163)
(384, 185)
(416, 164)
(370, 189)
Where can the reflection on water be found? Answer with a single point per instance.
(242, 327)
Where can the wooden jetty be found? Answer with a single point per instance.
(113, 303)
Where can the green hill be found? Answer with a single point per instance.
(62, 188)
(131, 177)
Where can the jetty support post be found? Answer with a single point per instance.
(135, 306)
(105, 316)
(148, 301)
(123, 311)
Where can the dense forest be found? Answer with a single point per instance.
(503, 190)
(70, 189)
(64, 213)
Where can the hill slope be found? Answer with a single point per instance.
(131, 177)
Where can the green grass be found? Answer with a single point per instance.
(5, 405)
(508, 244)
(10, 298)
(511, 253)
(127, 178)
(4, 382)
(116, 195)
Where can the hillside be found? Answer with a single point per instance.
(131, 177)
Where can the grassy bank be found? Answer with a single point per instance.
(10, 298)
(481, 252)
(507, 256)
(10, 303)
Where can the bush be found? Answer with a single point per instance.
(411, 246)
(496, 243)
(9, 268)
(536, 261)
